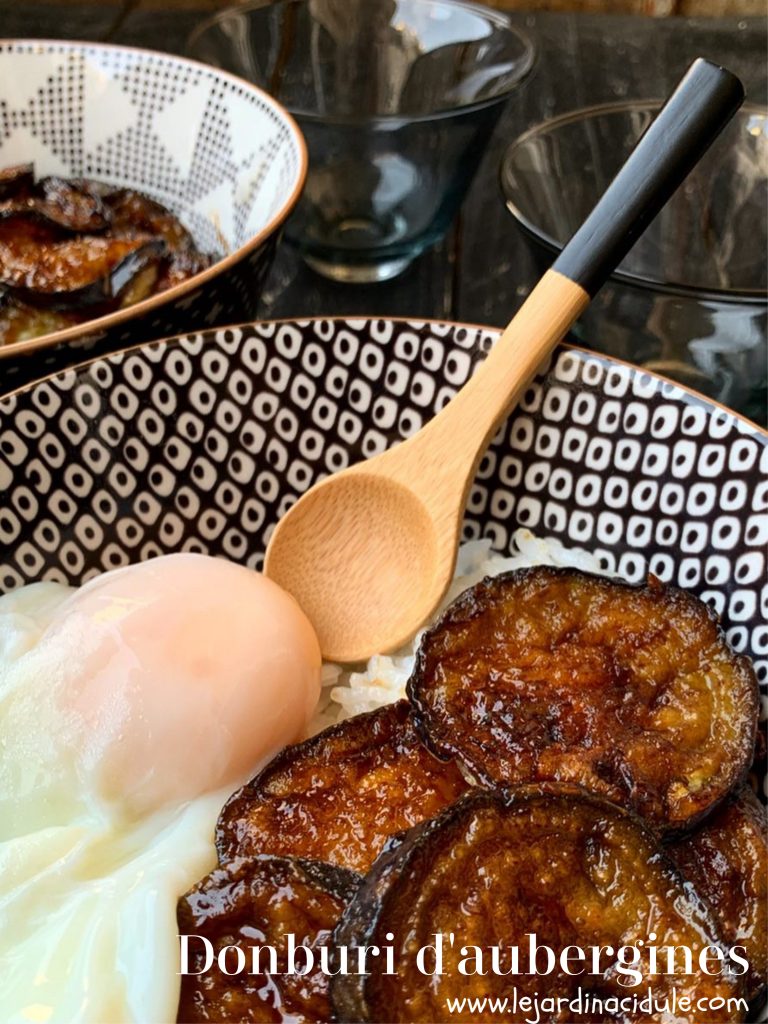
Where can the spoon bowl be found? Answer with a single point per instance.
(385, 531)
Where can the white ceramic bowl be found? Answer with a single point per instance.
(221, 154)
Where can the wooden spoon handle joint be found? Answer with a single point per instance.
(459, 434)
(686, 126)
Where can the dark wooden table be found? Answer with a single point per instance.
(481, 272)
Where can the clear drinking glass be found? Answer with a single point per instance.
(397, 100)
(690, 300)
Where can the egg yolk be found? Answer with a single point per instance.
(165, 680)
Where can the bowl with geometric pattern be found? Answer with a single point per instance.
(202, 441)
(221, 155)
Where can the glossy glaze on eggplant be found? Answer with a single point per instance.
(549, 860)
(74, 273)
(74, 249)
(726, 858)
(260, 902)
(557, 674)
(338, 796)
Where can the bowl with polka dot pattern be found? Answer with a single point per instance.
(201, 442)
(222, 155)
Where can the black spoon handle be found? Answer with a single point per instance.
(704, 101)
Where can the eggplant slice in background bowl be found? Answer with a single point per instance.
(75, 249)
(216, 152)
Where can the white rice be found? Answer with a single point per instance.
(383, 681)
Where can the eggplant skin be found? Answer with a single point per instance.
(340, 795)
(727, 861)
(253, 902)
(556, 674)
(74, 273)
(72, 206)
(60, 204)
(497, 866)
(66, 206)
(131, 212)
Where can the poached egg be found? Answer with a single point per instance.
(130, 708)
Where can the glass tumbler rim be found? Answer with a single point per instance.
(743, 296)
(500, 20)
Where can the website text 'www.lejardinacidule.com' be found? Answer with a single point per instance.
(586, 1006)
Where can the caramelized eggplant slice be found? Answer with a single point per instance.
(72, 207)
(630, 691)
(16, 181)
(80, 248)
(20, 234)
(61, 206)
(338, 796)
(260, 902)
(101, 189)
(552, 862)
(28, 206)
(727, 861)
(73, 274)
(141, 282)
(181, 264)
(131, 212)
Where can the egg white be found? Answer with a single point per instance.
(88, 917)
(87, 907)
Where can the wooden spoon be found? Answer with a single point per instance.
(370, 551)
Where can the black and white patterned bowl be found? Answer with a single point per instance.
(200, 443)
(216, 150)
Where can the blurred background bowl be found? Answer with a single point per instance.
(201, 443)
(397, 101)
(691, 299)
(218, 152)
